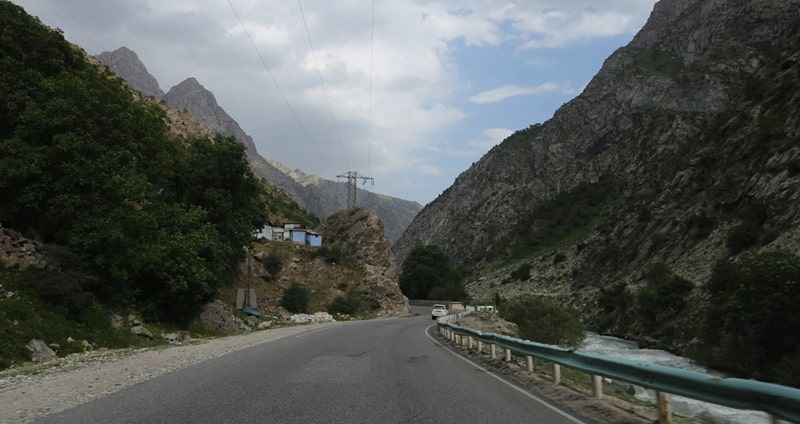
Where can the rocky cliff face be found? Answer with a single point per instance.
(124, 62)
(318, 196)
(682, 131)
(360, 233)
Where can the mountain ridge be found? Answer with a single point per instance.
(681, 136)
(313, 193)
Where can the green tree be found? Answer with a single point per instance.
(427, 274)
(155, 220)
(543, 321)
(751, 320)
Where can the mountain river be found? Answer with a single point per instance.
(619, 348)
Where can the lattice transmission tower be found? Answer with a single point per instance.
(352, 189)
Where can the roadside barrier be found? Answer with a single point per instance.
(779, 401)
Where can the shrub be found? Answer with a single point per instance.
(662, 299)
(350, 304)
(295, 298)
(273, 265)
(522, 273)
(743, 236)
(543, 321)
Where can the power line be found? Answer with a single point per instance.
(352, 189)
(280, 90)
(371, 64)
(322, 82)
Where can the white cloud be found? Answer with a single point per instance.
(416, 79)
(499, 94)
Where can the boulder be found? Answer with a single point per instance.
(40, 351)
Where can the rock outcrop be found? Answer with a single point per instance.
(360, 233)
(18, 252)
(124, 62)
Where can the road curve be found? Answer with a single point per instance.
(379, 371)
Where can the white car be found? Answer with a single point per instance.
(438, 311)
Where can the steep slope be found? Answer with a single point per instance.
(662, 159)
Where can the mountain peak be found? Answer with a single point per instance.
(124, 61)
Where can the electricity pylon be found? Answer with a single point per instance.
(352, 176)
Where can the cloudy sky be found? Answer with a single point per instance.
(411, 101)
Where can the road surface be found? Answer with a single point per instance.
(379, 371)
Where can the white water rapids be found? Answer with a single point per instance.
(624, 349)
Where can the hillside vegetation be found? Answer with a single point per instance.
(132, 216)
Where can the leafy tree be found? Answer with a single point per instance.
(427, 274)
(295, 298)
(543, 321)
(751, 321)
(156, 220)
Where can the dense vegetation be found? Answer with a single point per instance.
(428, 274)
(745, 327)
(544, 321)
(147, 220)
(567, 216)
(752, 326)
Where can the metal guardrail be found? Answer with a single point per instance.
(779, 401)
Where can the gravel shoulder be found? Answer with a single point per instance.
(29, 393)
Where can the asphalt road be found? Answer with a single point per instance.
(381, 371)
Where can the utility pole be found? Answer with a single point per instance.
(352, 177)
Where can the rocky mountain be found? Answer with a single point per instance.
(682, 150)
(359, 231)
(319, 196)
(124, 61)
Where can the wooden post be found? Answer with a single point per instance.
(664, 414)
(597, 386)
(556, 373)
(508, 355)
(471, 342)
(529, 362)
(480, 346)
(493, 349)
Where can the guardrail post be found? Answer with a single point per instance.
(664, 414)
(597, 386)
(469, 342)
(493, 349)
(556, 373)
(480, 346)
(529, 363)
(508, 355)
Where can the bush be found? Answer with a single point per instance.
(662, 299)
(295, 299)
(350, 304)
(742, 237)
(543, 321)
(522, 273)
(333, 255)
(273, 265)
